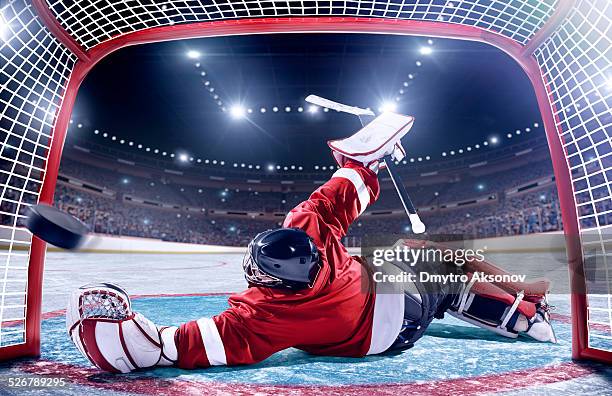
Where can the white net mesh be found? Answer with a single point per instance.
(576, 63)
(34, 68)
(93, 22)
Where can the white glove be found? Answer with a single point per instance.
(380, 138)
(101, 324)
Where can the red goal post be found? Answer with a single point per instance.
(48, 47)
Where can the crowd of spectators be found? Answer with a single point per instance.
(110, 212)
(111, 215)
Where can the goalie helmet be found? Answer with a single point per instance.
(282, 258)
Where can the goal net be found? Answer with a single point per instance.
(48, 46)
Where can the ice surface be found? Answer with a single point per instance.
(450, 350)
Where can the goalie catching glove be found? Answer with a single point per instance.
(102, 325)
(377, 140)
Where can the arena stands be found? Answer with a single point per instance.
(123, 199)
(155, 206)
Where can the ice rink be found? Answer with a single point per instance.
(453, 358)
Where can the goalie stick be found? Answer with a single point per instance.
(365, 117)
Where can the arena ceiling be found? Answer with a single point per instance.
(185, 96)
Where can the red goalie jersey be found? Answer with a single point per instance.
(339, 316)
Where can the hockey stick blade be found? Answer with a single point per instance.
(330, 104)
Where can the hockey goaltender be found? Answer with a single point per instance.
(305, 291)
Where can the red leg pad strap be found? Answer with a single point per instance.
(489, 290)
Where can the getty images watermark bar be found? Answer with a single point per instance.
(395, 262)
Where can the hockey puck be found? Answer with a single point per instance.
(56, 227)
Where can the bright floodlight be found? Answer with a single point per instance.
(237, 111)
(494, 139)
(387, 106)
(313, 109)
(425, 50)
(192, 54)
(270, 168)
(183, 157)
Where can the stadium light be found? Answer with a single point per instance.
(183, 157)
(270, 168)
(426, 50)
(494, 140)
(312, 109)
(387, 107)
(480, 186)
(237, 111)
(193, 54)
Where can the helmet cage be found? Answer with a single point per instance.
(254, 275)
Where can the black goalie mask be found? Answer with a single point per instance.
(282, 258)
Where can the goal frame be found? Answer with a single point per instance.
(522, 54)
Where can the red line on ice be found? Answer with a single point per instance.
(62, 312)
(170, 387)
(513, 380)
(219, 264)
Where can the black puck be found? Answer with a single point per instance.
(56, 227)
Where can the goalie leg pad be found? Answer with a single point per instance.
(488, 306)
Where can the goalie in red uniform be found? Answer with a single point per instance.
(306, 292)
